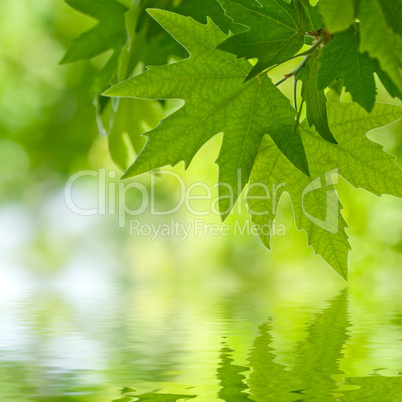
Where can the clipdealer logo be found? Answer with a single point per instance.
(112, 199)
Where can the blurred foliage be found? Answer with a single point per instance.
(46, 113)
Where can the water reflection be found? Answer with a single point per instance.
(315, 359)
(163, 346)
(154, 396)
(374, 388)
(231, 378)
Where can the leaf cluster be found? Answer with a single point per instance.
(231, 47)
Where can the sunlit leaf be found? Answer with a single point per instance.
(317, 209)
(339, 15)
(274, 32)
(216, 100)
(377, 39)
(335, 61)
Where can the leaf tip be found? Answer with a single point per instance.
(344, 275)
(224, 216)
(303, 167)
(156, 12)
(109, 92)
(126, 175)
(67, 59)
(116, 90)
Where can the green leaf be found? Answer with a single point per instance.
(271, 170)
(378, 40)
(201, 9)
(216, 100)
(146, 35)
(274, 33)
(339, 15)
(317, 209)
(108, 34)
(132, 118)
(341, 58)
(392, 10)
(316, 101)
(363, 163)
(312, 19)
(386, 81)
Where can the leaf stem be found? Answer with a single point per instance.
(308, 52)
(294, 72)
(285, 78)
(295, 93)
(297, 123)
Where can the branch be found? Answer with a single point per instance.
(308, 52)
(294, 72)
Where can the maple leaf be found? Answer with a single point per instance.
(377, 38)
(135, 38)
(317, 210)
(147, 42)
(338, 14)
(311, 18)
(201, 9)
(150, 44)
(131, 119)
(275, 32)
(108, 34)
(388, 83)
(217, 100)
(316, 101)
(392, 10)
(334, 62)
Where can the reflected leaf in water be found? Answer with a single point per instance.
(11, 390)
(164, 397)
(153, 396)
(231, 379)
(317, 356)
(316, 359)
(316, 362)
(375, 388)
(268, 379)
(397, 320)
(314, 376)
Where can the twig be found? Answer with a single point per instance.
(308, 52)
(297, 124)
(295, 92)
(294, 72)
(285, 78)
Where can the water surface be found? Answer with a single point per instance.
(161, 343)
